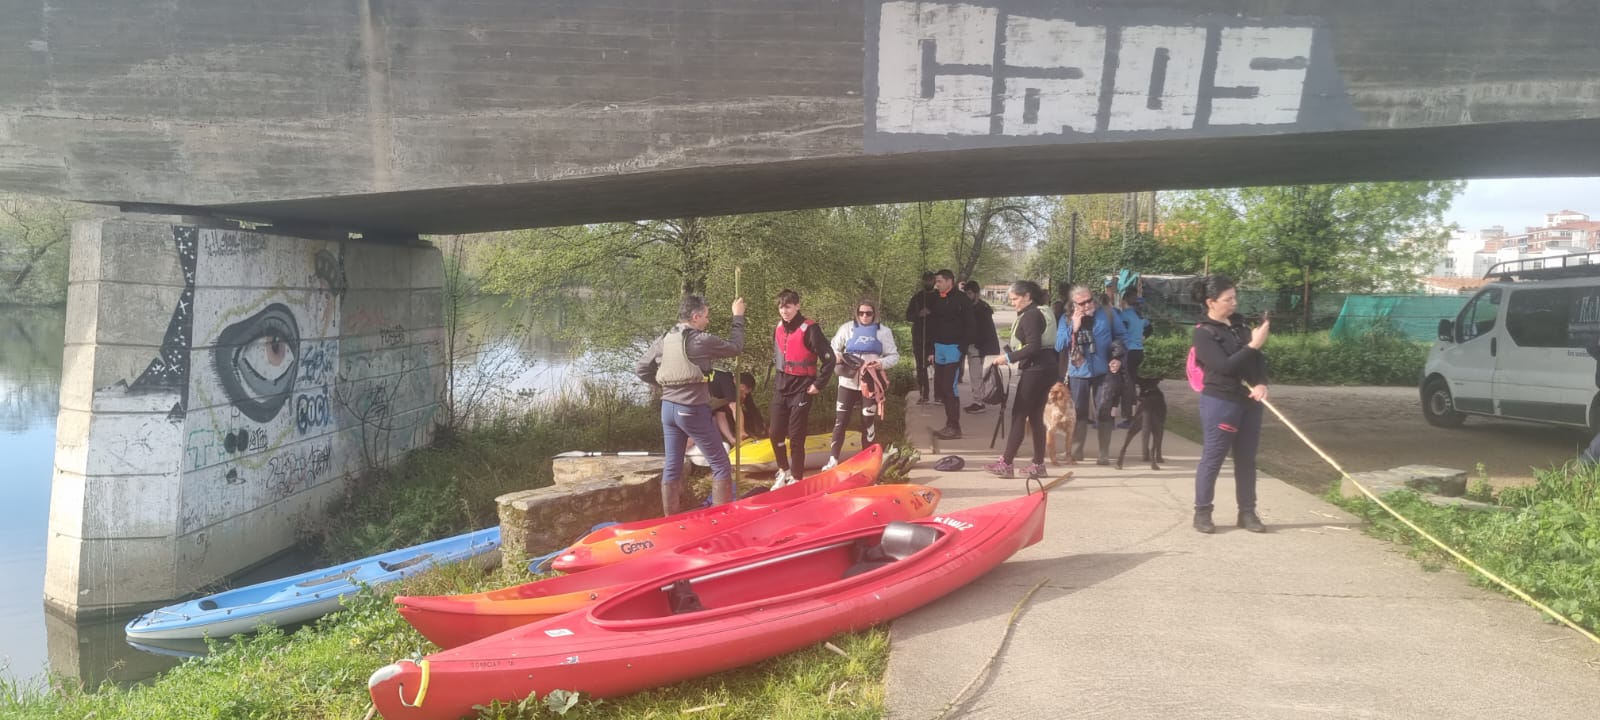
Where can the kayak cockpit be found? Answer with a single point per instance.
(738, 587)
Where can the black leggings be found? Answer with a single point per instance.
(1033, 391)
(790, 414)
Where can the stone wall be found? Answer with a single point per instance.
(218, 389)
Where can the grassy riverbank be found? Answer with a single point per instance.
(320, 671)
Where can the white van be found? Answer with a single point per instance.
(1519, 348)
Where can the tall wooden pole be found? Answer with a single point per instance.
(738, 402)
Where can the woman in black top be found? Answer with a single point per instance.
(1036, 364)
(1230, 414)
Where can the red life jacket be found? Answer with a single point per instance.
(792, 356)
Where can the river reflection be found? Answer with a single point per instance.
(512, 361)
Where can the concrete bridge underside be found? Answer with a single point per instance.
(406, 116)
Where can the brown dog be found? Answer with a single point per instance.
(1059, 416)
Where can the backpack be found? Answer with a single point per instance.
(1197, 374)
(992, 388)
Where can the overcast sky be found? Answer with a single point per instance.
(1519, 203)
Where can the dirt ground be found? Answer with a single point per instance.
(1377, 428)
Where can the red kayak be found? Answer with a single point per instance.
(452, 620)
(642, 538)
(694, 622)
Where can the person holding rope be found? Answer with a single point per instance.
(1229, 352)
(865, 348)
(677, 364)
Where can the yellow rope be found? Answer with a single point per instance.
(1345, 477)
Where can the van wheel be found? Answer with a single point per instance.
(1438, 408)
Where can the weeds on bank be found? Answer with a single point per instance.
(1543, 538)
(321, 672)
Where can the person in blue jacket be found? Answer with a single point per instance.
(1085, 333)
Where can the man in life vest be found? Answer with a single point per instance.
(677, 364)
(864, 344)
(805, 365)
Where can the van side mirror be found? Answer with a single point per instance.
(1447, 330)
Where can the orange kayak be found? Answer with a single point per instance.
(642, 538)
(453, 620)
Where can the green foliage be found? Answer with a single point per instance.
(1362, 237)
(35, 235)
(1108, 240)
(450, 489)
(1373, 359)
(1545, 540)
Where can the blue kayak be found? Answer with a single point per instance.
(301, 597)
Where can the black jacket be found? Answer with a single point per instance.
(919, 324)
(1224, 352)
(983, 331)
(951, 321)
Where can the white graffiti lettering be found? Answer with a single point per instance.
(969, 70)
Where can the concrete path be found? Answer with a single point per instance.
(1141, 617)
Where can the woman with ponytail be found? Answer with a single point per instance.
(1235, 369)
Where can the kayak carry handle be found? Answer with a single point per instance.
(422, 687)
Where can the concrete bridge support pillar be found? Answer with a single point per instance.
(219, 389)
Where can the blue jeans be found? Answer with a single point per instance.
(1229, 425)
(681, 422)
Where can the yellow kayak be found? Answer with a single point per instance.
(756, 455)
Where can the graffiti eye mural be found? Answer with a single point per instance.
(256, 360)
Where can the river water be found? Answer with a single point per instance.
(516, 361)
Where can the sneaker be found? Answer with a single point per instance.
(976, 408)
(1125, 424)
(1001, 468)
(833, 462)
(1035, 470)
(784, 478)
(948, 433)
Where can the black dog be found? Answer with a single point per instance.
(1151, 416)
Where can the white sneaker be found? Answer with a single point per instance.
(783, 479)
(832, 463)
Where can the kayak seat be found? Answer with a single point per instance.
(682, 598)
(899, 540)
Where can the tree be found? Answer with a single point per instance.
(1112, 233)
(35, 234)
(1303, 239)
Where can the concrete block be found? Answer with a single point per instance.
(371, 311)
(1448, 482)
(134, 444)
(84, 265)
(218, 551)
(125, 507)
(376, 266)
(135, 313)
(572, 471)
(72, 440)
(141, 252)
(1379, 482)
(1462, 502)
(427, 267)
(90, 374)
(535, 522)
(427, 307)
(239, 258)
(66, 505)
(83, 312)
(217, 309)
(113, 574)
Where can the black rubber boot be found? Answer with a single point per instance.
(1202, 522)
(1249, 521)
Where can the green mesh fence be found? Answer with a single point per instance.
(1416, 316)
(1169, 308)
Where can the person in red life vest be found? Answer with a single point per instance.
(949, 328)
(805, 365)
(863, 344)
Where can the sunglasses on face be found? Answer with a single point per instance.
(867, 313)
